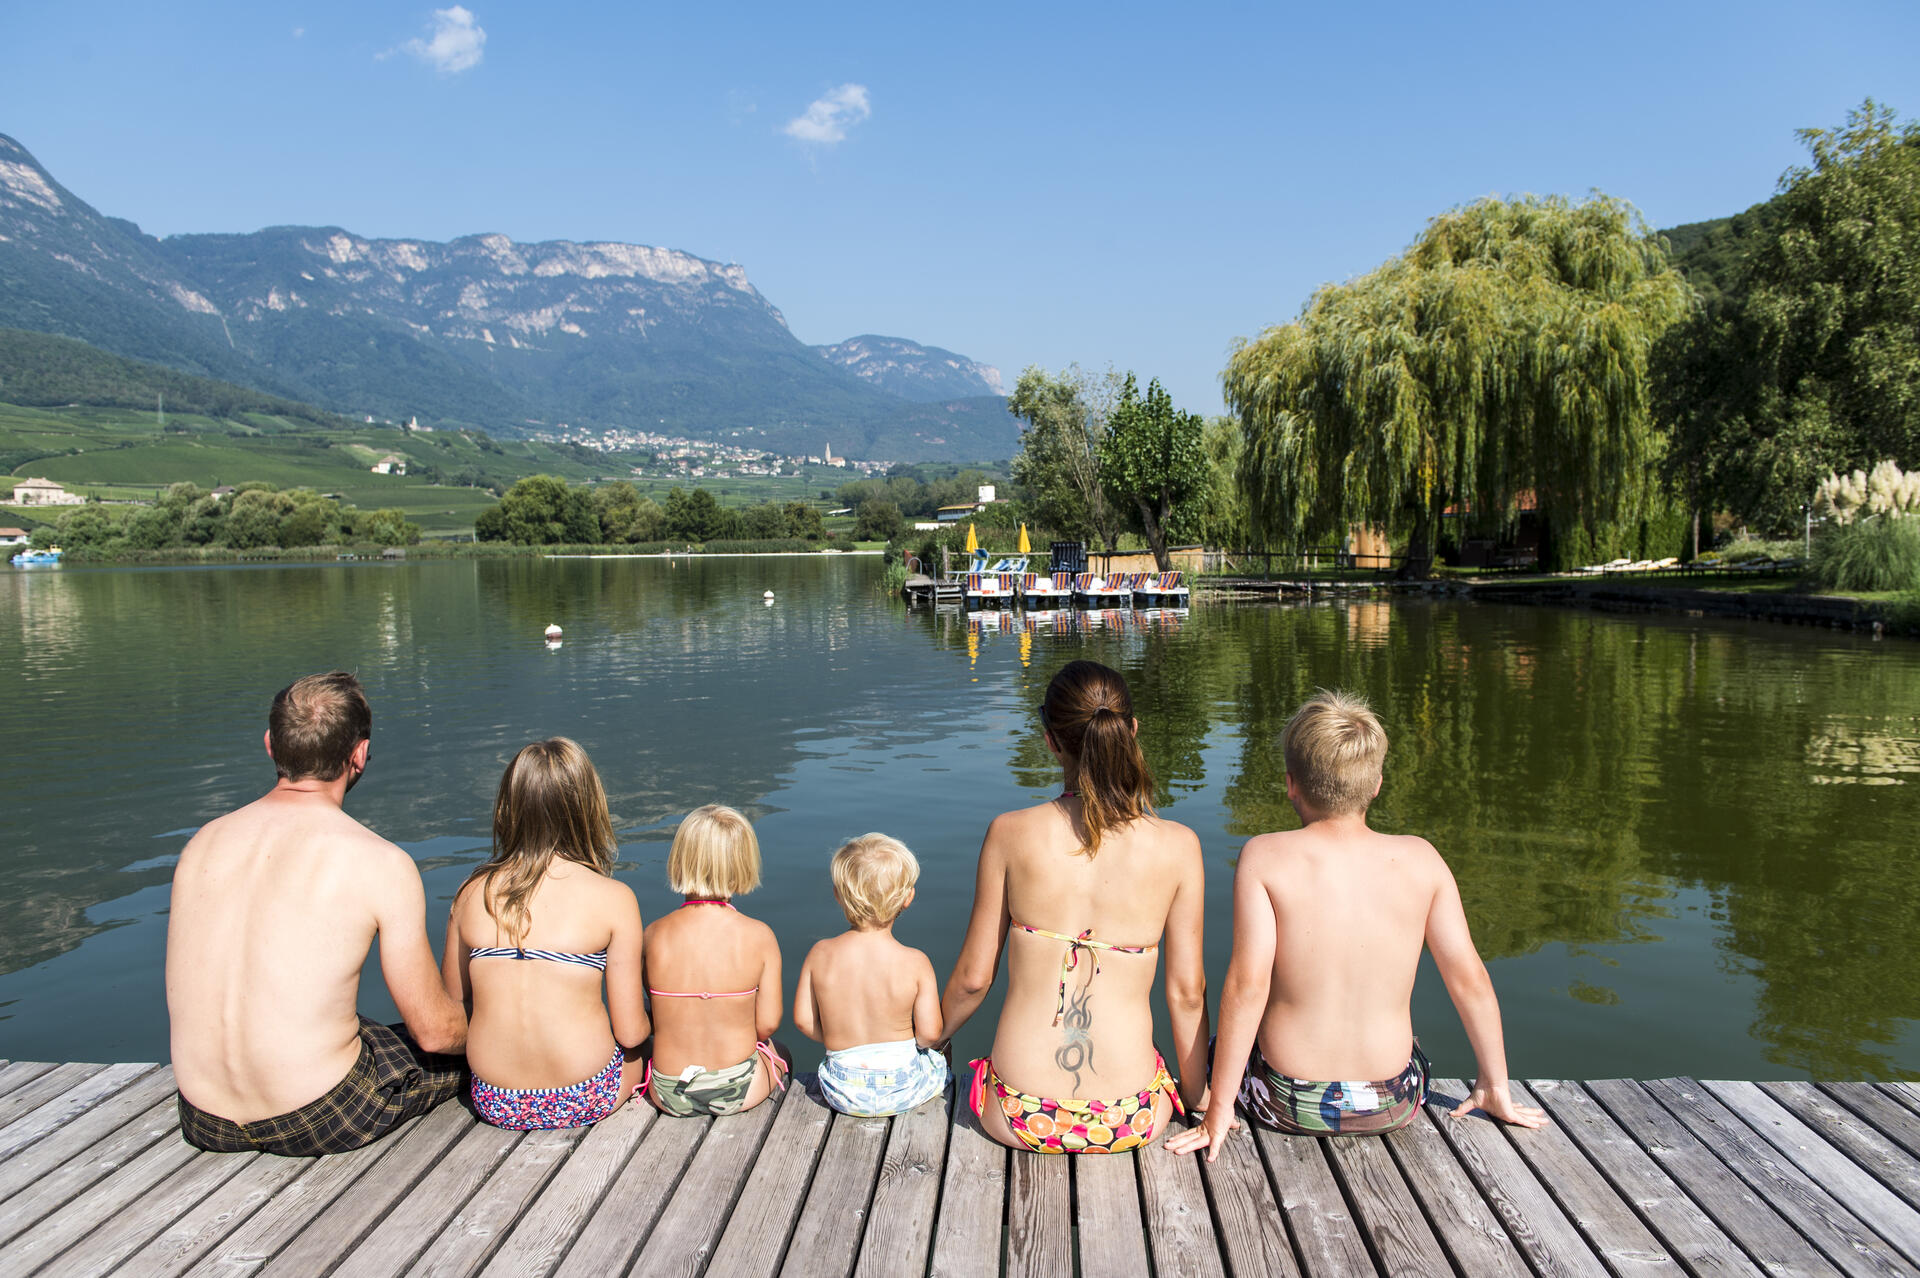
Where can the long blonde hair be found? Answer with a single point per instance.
(550, 804)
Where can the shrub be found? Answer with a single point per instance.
(1871, 554)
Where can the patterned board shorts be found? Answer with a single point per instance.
(1304, 1108)
(391, 1081)
(526, 1109)
(882, 1079)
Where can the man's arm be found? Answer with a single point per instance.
(1243, 1001)
(1451, 944)
(437, 1022)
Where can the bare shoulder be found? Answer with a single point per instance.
(1277, 845)
(1015, 823)
(1418, 852)
(1175, 835)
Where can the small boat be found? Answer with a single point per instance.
(28, 558)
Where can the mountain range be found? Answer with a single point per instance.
(483, 331)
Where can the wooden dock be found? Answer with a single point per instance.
(1661, 1178)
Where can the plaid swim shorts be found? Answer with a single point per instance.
(391, 1081)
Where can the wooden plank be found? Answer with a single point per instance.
(67, 1106)
(1173, 1198)
(1039, 1216)
(1398, 1234)
(256, 1240)
(690, 1226)
(1687, 1232)
(30, 1167)
(1829, 1168)
(1847, 1245)
(1324, 1228)
(414, 1220)
(1907, 1094)
(1889, 1117)
(1106, 1215)
(755, 1240)
(471, 1237)
(175, 1248)
(74, 1216)
(1886, 1159)
(900, 1223)
(32, 1095)
(113, 1237)
(1550, 1242)
(973, 1201)
(1468, 1226)
(1250, 1230)
(827, 1236)
(15, 1073)
(414, 1151)
(548, 1227)
(1608, 1223)
(627, 1214)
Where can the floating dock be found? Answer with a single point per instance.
(1659, 1178)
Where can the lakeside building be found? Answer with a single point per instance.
(954, 514)
(13, 536)
(43, 492)
(391, 464)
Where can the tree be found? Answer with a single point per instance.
(1507, 349)
(389, 527)
(878, 520)
(1152, 461)
(1066, 416)
(694, 515)
(1810, 363)
(541, 510)
(626, 518)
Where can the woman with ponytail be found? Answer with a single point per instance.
(1081, 892)
(531, 932)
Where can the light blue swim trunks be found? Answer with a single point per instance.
(881, 1079)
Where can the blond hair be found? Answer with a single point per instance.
(873, 876)
(550, 804)
(1335, 749)
(714, 854)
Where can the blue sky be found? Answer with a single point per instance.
(1026, 184)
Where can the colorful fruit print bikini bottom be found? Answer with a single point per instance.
(1049, 1126)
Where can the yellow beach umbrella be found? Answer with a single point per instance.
(1026, 547)
(973, 542)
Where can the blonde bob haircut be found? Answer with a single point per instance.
(714, 854)
(1335, 750)
(873, 876)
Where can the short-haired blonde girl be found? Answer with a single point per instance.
(714, 976)
(530, 933)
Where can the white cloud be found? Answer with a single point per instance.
(298, 32)
(457, 42)
(827, 120)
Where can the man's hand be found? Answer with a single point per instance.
(1211, 1133)
(1499, 1105)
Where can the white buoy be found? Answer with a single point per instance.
(553, 632)
(768, 596)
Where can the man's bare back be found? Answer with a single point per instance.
(274, 907)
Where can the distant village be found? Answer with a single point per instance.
(677, 455)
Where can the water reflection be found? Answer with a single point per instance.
(1683, 845)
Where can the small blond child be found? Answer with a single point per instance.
(713, 976)
(1328, 924)
(872, 1002)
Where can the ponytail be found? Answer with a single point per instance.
(1089, 712)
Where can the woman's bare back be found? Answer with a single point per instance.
(1094, 1038)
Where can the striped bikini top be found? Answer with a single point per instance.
(596, 960)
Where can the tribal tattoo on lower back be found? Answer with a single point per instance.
(1076, 1048)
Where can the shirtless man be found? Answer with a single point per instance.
(274, 907)
(1328, 924)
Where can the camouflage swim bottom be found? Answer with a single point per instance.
(1302, 1107)
(697, 1091)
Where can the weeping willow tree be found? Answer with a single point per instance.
(1506, 350)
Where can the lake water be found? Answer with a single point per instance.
(1685, 846)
